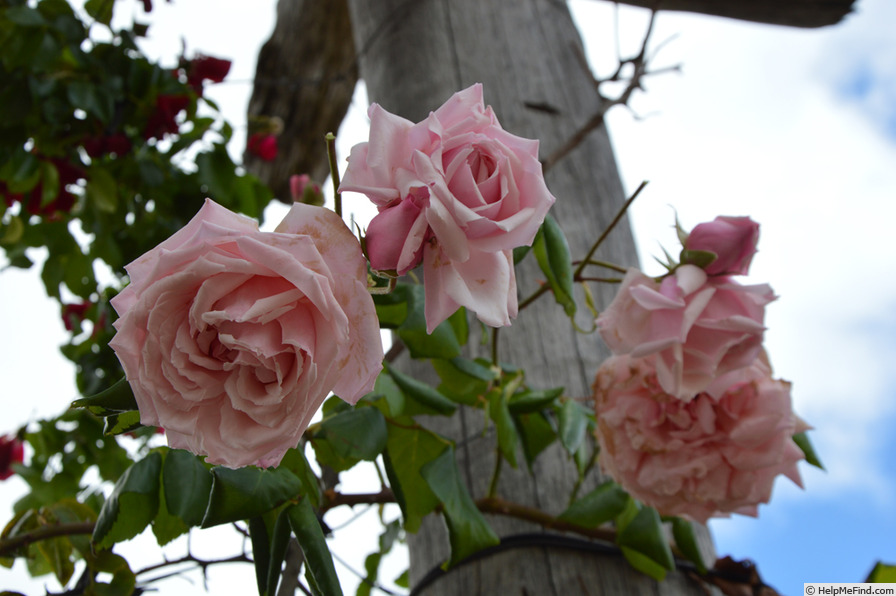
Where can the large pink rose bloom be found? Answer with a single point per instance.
(732, 239)
(709, 457)
(457, 193)
(231, 338)
(695, 327)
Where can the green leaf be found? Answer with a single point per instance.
(132, 505)
(248, 492)
(358, 433)
(101, 10)
(121, 422)
(644, 535)
(519, 253)
(463, 381)
(279, 542)
(24, 16)
(468, 532)
(21, 171)
(643, 563)
(443, 342)
(318, 558)
(187, 485)
(123, 579)
(408, 449)
(261, 552)
(882, 573)
(166, 527)
(421, 392)
(573, 424)
(802, 441)
(597, 507)
(525, 402)
(536, 433)
(552, 252)
(117, 398)
(506, 429)
(296, 462)
(102, 190)
(686, 540)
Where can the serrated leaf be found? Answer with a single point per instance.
(133, 503)
(408, 449)
(117, 398)
(802, 441)
(248, 492)
(358, 433)
(468, 532)
(121, 422)
(573, 424)
(187, 486)
(421, 392)
(644, 535)
(552, 253)
(597, 507)
(166, 527)
(318, 559)
(686, 541)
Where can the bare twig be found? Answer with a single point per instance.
(639, 68)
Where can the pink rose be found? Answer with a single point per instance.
(457, 193)
(709, 457)
(732, 239)
(697, 328)
(231, 338)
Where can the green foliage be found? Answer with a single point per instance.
(247, 492)
(552, 253)
(318, 559)
(882, 573)
(133, 504)
(468, 531)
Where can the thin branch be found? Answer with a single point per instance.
(639, 64)
(9, 545)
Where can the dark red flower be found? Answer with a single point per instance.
(263, 145)
(206, 68)
(73, 314)
(33, 200)
(164, 119)
(97, 146)
(11, 451)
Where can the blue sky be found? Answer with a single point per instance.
(795, 128)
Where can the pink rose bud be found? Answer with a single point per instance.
(732, 240)
(231, 338)
(304, 191)
(708, 457)
(697, 327)
(457, 193)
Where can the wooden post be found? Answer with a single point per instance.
(413, 56)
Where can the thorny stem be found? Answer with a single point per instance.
(607, 230)
(575, 489)
(577, 274)
(495, 345)
(334, 172)
(603, 264)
